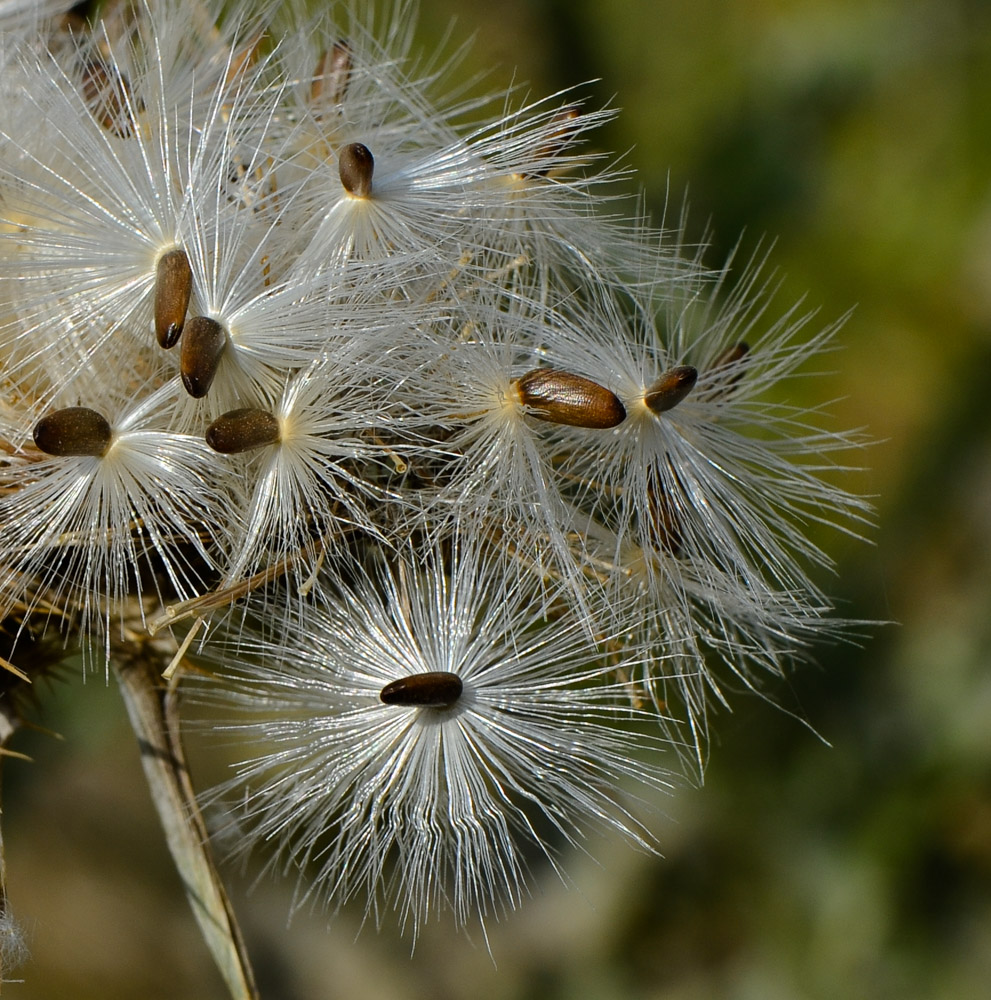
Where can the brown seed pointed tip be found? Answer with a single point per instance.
(671, 388)
(75, 430)
(243, 430)
(431, 689)
(173, 285)
(356, 165)
(332, 75)
(203, 346)
(562, 398)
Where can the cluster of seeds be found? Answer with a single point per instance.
(379, 403)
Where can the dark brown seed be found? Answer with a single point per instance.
(332, 75)
(108, 95)
(563, 398)
(671, 388)
(203, 344)
(173, 283)
(432, 689)
(76, 430)
(242, 430)
(731, 358)
(356, 165)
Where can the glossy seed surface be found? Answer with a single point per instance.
(563, 398)
(432, 689)
(203, 344)
(357, 165)
(76, 430)
(332, 75)
(173, 284)
(671, 388)
(242, 430)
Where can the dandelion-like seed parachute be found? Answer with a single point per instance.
(427, 725)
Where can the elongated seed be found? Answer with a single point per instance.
(731, 358)
(203, 344)
(356, 165)
(173, 283)
(242, 430)
(75, 430)
(108, 95)
(432, 689)
(563, 398)
(559, 133)
(332, 75)
(665, 524)
(671, 388)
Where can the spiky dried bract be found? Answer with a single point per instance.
(423, 805)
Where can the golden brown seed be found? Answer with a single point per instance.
(332, 75)
(173, 283)
(559, 135)
(76, 430)
(356, 165)
(242, 430)
(432, 689)
(203, 344)
(671, 388)
(563, 398)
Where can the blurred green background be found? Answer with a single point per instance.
(858, 134)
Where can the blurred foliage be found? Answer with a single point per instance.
(856, 133)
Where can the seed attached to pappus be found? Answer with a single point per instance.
(332, 75)
(356, 165)
(561, 130)
(75, 430)
(731, 357)
(203, 344)
(671, 388)
(243, 430)
(173, 284)
(108, 95)
(431, 689)
(562, 398)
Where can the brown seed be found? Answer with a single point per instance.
(559, 134)
(242, 430)
(432, 689)
(108, 95)
(671, 388)
(173, 284)
(332, 75)
(563, 398)
(76, 430)
(731, 358)
(664, 526)
(356, 165)
(203, 344)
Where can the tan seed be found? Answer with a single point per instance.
(173, 284)
(203, 344)
(431, 689)
(356, 165)
(563, 398)
(242, 430)
(108, 95)
(671, 388)
(332, 75)
(75, 430)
